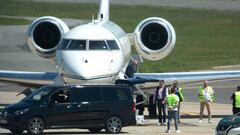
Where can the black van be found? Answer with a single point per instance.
(98, 107)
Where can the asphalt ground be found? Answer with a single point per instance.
(189, 112)
(188, 127)
(189, 108)
(14, 56)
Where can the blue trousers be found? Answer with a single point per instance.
(161, 111)
(174, 115)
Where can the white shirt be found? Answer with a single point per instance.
(159, 96)
(176, 108)
(206, 94)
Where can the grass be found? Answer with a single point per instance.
(13, 21)
(205, 38)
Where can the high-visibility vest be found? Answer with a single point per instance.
(201, 97)
(237, 99)
(172, 100)
(180, 94)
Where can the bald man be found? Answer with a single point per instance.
(205, 95)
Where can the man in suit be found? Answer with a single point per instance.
(160, 99)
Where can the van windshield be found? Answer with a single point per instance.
(38, 94)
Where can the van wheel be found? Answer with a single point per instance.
(16, 131)
(36, 126)
(114, 124)
(94, 130)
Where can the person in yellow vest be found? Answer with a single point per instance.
(236, 101)
(205, 95)
(172, 102)
(179, 93)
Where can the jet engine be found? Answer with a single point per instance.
(155, 38)
(44, 35)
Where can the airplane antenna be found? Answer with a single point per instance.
(103, 13)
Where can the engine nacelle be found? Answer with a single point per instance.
(155, 38)
(44, 35)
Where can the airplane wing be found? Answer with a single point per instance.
(189, 76)
(28, 78)
(42, 78)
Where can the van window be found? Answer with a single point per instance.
(38, 94)
(121, 94)
(86, 94)
(61, 96)
(115, 94)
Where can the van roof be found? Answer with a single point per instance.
(101, 85)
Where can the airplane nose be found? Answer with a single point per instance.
(90, 64)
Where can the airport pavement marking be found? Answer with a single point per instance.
(190, 113)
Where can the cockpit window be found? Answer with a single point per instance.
(97, 45)
(63, 44)
(77, 45)
(112, 45)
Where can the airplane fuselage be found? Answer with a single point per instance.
(96, 52)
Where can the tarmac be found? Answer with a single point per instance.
(188, 109)
(187, 127)
(189, 119)
(13, 56)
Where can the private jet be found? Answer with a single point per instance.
(100, 51)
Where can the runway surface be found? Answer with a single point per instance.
(223, 90)
(14, 55)
(188, 127)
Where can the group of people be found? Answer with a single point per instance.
(170, 100)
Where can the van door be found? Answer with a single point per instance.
(58, 111)
(89, 107)
(118, 101)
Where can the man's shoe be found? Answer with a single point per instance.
(178, 131)
(164, 124)
(210, 121)
(200, 121)
(167, 131)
